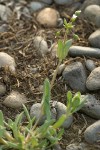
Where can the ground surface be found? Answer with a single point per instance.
(18, 42)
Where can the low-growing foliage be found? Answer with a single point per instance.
(16, 135)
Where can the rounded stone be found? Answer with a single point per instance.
(35, 111)
(47, 1)
(94, 39)
(91, 106)
(62, 109)
(90, 64)
(48, 17)
(91, 11)
(15, 100)
(93, 81)
(63, 2)
(2, 89)
(5, 12)
(41, 45)
(92, 133)
(7, 62)
(97, 20)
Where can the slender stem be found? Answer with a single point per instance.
(2, 141)
(8, 136)
(55, 74)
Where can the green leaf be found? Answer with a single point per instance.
(1, 119)
(69, 99)
(77, 13)
(2, 131)
(60, 121)
(65, 23)
(60, 49)
(46, 99)
(76, 37)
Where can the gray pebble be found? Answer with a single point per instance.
(47, 1)
(91, 11)
(75, 51)
(35, 111)
(2, 89)
(62, 109)
(63, 2)
(35, 6)
(75, 75)
(90, 64)
(93, 81)
(97, 20)
(3, 28)
(5, 12)
(91, 106)
(41, 45)
(94, 39)
(92, 133)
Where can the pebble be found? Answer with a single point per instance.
(93, 81)
(75, 51)
(7, 61)
(2, 89)
(5, 12)
(3, 28)
(48, 17)
(35, 111)
(94, 39)
(60, 69)
(64, 2)
(75, 75)
(47, 1)
(91, 106)
(35, 6)
(62, 109)
(15, 100)
(77, 146)
(89, 2)
(97, 20)
(91, 11)
(92, 133)
(41, 45)
(90, 65)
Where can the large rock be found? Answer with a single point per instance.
(7, 62)
(91, 106)
(75, 75)
(93, 81)
(92, 133)
(48, 17)
(94, 39)
(75, 51)
(91, 11)
(63, 2)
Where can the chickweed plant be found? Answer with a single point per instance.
(16, 135)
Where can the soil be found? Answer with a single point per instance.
(18, 42)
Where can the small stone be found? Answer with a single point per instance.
(35, 6)
(3, 28)
(57, 147)
(97, 20)
(5, 12)
(77, 146)
(90, 64)
(93, 81)
(75, 75)
(35, 111)
(41, 45)
(75, 51)
(62, 109)
(91, 11)
(92, 133)
(48, 17)
(63, 2)
(91, 106)
(47, 1)
(7, 62)
(15, 100)
(2, 89)
(60, 69)
(94, 39)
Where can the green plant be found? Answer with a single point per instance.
(16, 135)
(65, 44)
(19, 136)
